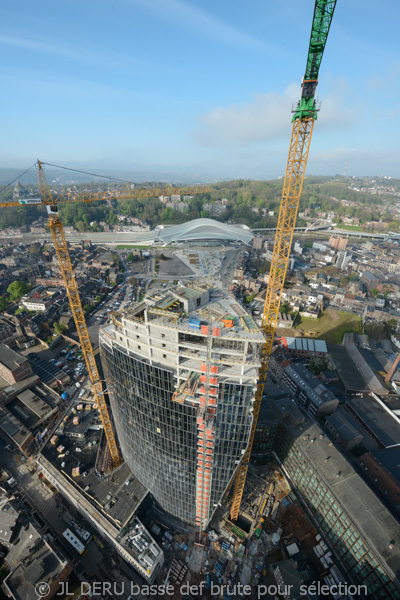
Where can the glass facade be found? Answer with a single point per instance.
(159, 436)
(232, 432)
(265, 439)
(348, 545)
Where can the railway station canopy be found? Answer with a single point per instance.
(200, 231)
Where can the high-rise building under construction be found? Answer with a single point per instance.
(181, 370)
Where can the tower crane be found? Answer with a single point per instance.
(71, 286)
(305, 113)
(382, 251)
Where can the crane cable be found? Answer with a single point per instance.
(18, 176)
(88, 173)
(69, 169)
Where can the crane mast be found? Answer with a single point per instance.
(305, 113)
(71, 286)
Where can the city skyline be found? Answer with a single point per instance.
(177, 87)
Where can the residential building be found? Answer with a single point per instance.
(381, 470)
(214, 209)
(178, 206)
(343, 258)
(34, 559)
(342, 433)
(297, 248)
(338, 243)
(371, 281)
(309, 391)
(258, 243)
(36, 304)
(115, 503)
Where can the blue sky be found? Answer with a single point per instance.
(198, 86)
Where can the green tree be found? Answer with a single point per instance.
(60, 328)
(390, 327)
(374, 292)
(81, 226)
(3, 571)
(375, 330)
(87, 308)
(17, 289)
(3, 303)
(130, 257)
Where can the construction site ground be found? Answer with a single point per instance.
(223, 559)
(295, 523)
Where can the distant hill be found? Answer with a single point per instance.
(252, 202)
(64, 177)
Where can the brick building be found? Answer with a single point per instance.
(13, 366)
(382, 472)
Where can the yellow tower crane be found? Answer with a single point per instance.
(305, 114)
(382, 251)
(64, 260)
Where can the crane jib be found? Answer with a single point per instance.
(323, 13)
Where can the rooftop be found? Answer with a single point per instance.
(268, 411)
(10, 390)
(32, 561)
(304, 344)
(390, 459)
(342, 426)
(117, 496)
(38, 406)
(354, 372)
(369, 276)
(48, 372)
(8, 519)
(316, 391)
(379, 419)
(111, 501)
(13, 427)
(205, 229)
(175, 308)
(370, 516)
(9, 358)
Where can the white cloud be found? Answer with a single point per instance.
(29, 44)
(70, 52)
(194, 18)
(336, 114)
(268, 117)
